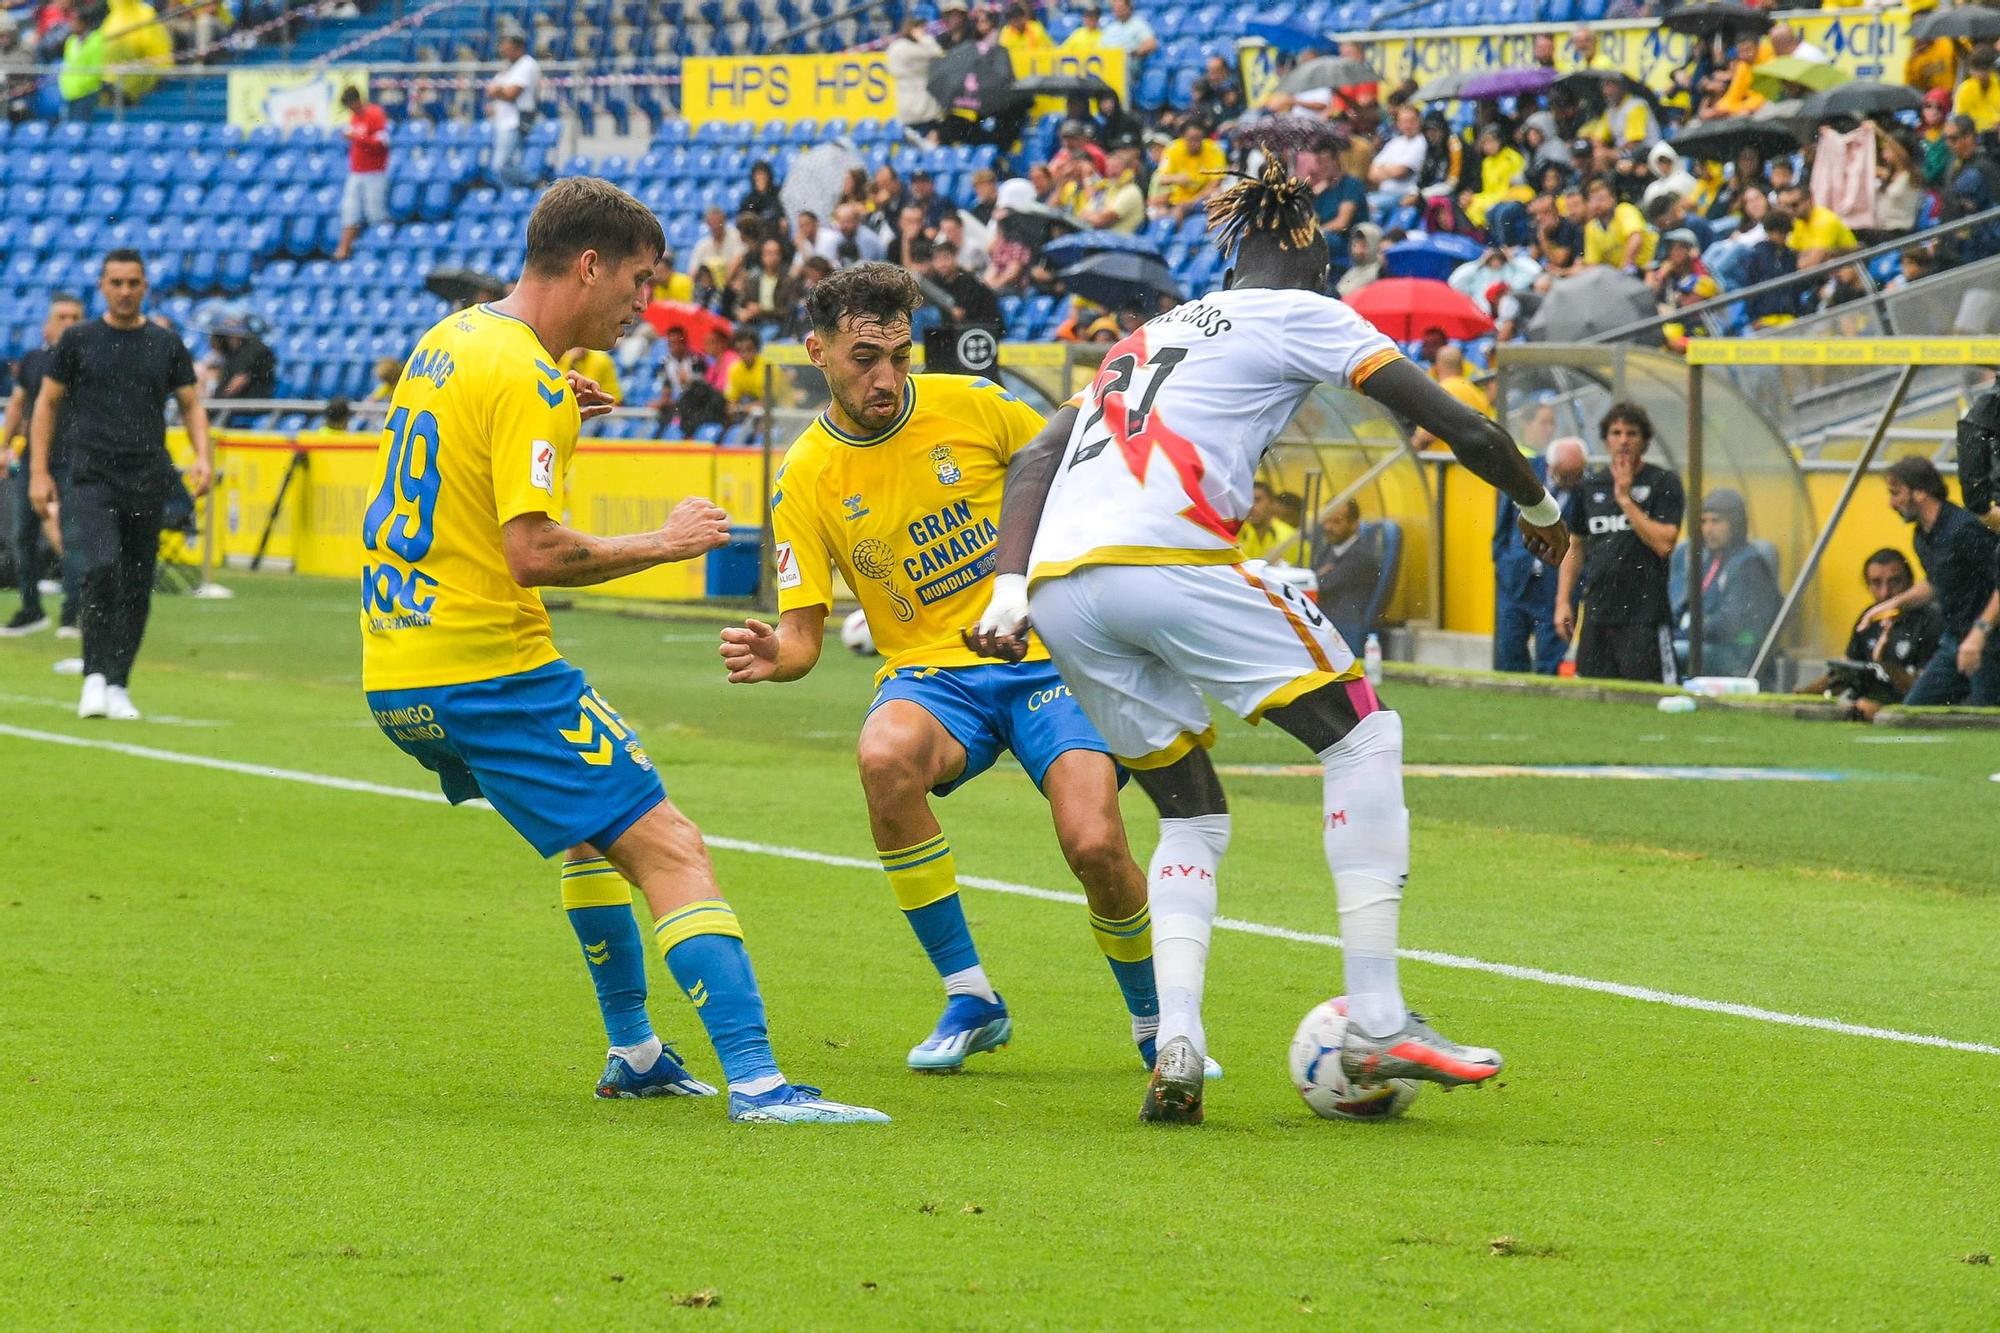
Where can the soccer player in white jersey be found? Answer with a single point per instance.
(1118, 541)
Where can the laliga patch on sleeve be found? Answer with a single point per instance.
(788, 566)
(542, 466)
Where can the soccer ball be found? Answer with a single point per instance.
(854, 632)
(1315, 1063)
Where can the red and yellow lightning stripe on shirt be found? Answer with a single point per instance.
(909, 517)
(480, 430)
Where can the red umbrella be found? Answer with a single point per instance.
(696, 320)
(1407, 308)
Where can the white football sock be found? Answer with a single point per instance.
(969, 981)
(642, 1056)
(752, 1087)
(1367, 835)
(1181, 891)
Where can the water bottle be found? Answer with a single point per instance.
(1371, 660)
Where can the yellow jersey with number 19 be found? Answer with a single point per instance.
(910, 517)
(480, 430)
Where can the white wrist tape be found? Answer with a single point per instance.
(1544, 515)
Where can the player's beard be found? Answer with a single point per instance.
(868, 420)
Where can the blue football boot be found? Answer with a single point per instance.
(665, 1079)
(797, 1104)
(968, 1026)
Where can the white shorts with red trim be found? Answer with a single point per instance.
(1139, 645)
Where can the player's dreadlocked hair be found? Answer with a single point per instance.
(1273, 208)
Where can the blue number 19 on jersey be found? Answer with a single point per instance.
(410, 479)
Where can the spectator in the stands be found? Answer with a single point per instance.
(1979, 95)
(338, 414)
(809, 238)
(1785, 41)
(1448, 369)
(1113, 202)
(957, 23)
(761, 199)
(388, 371)
(1022, 32)
(1680, 278)
(1130, 33)
(985, 26)
(1896, 193)
(240, 364)
(766, 292)
(1885, 651)
(1339, 201)
(1739, 591)
(1617, 233)
(718, 249)
(364, 198)
(744, 385)
(1958, 555)
(1088, 35)
(909, 230)
(952, 232)
(1628, 120)
(510, 107)
(1558, 243)
(886, 197)
(960, 297)
(1524, 589)
(909, 59)
(1264, 535)
(681, 369)
(1075, 137)
(1392, 176)
(1043, 180)
(985, 194)
(593, 365)
(1189, 173)
(854, 188)
(1364, 259)
(1746, 173)
(1581, 50)
(852, 241)
(1769, 259)
(924, 196)
(1932, 120)
(1912, 265)
(1502, 271)
(1818, 233)
(1347, 564)
(1217, 96)
(1974, 187)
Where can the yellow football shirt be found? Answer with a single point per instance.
(1980, 101)
(1197, 166)
(480, 430)
(1606, 245)
(910, 517)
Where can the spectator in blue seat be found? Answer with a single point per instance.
(1339, 201)
(761, 199)
(1129, 33)
(1217, 96)
(510, 106)
(1347, 565)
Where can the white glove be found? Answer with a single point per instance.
(1007, 610)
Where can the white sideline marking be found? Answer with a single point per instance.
(1452, 960)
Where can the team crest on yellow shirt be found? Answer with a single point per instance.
(945, 465)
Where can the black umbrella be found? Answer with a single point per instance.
(1447, 87)
(1704, 20)
(1116, 281)
(1587, 85)
(1861, 98)
(1722, 140)
(1590, 303)
(1328, 72)
(1966, 21)
(1065, 85)
(464, 286)
(976, 81)
(1033, 225)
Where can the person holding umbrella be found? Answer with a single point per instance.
(1979, 96)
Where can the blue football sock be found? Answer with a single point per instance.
(1128, 946)
(598, 902)
(703, 947)
(925, 881)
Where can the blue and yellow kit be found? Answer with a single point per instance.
(458, 659)
(910, 518)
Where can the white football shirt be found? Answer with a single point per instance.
(1169, 434)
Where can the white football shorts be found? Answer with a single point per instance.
(1139, 645)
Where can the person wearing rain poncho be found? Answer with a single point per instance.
(134, 35)
(1364, 251)
(1739, 590)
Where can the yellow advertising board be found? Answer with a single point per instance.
(1867, 43)
(292, 98)
(853, 86)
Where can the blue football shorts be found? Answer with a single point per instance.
(1023, 707)
(543, 747)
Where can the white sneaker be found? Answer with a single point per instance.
(94, 702)
(118, 705)
(68, 666)
(68, 632)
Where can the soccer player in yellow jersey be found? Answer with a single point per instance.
(898, 485)
(462, 672)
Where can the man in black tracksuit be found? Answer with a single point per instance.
(1626, 519)
(64, 311)
(105, 397)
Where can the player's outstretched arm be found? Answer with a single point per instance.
(758, 651)
(1486, 450)
(1002, 631)
(543, 553)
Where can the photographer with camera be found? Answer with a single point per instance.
(1883, 655)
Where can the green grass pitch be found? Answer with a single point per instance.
(277, 1054)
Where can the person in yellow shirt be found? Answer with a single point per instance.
(459, 661)
(1264, 535)
(1617, 233)
(593, 365)
(1190, 170)
(670, 284)
(1448, 369)
(1022, 33)
(1932, 65)
(1979, 96)
(897, 487)
(1818, 234)
(1739, 98)
(1502, 170)
(1089, 34)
